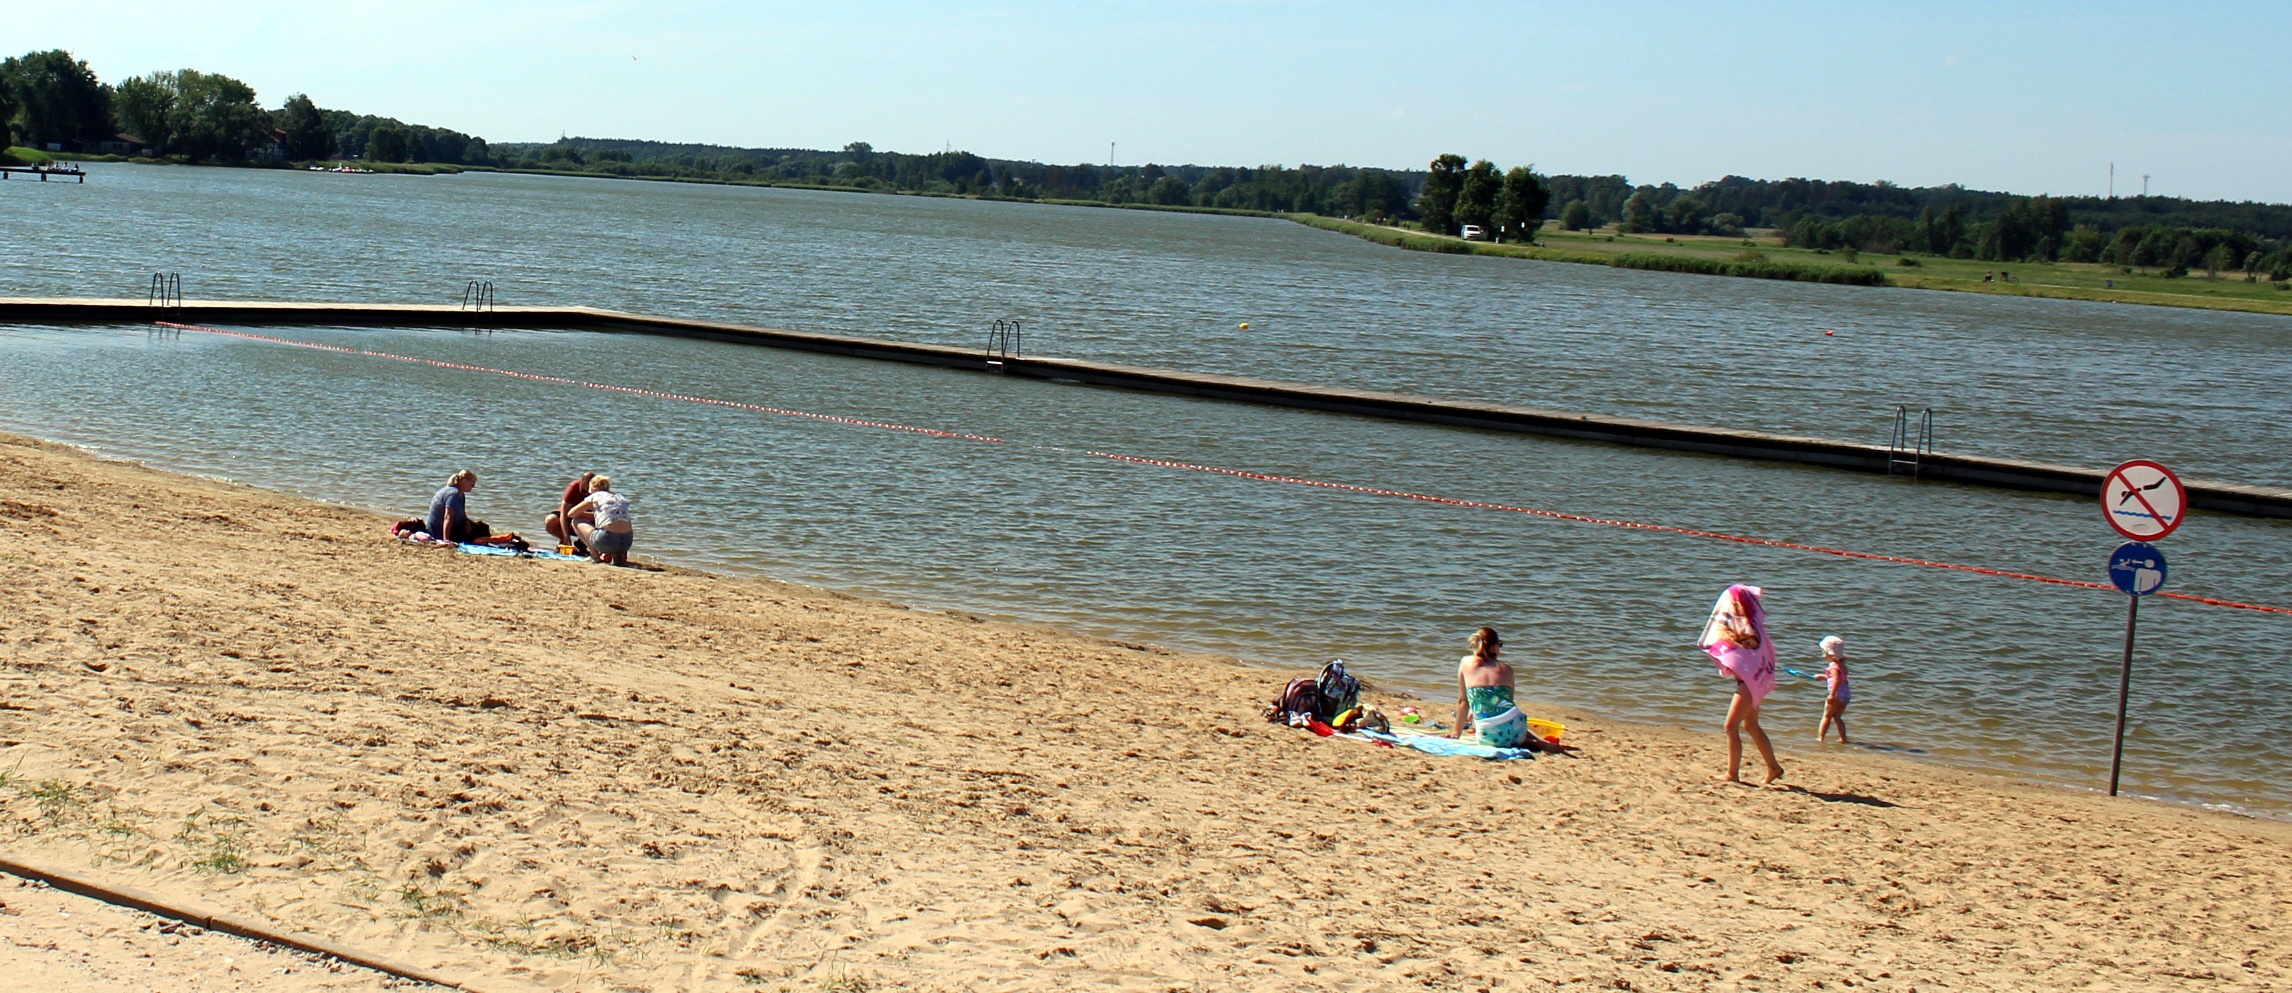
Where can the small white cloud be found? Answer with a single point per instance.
(1950, 61)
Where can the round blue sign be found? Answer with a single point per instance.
(2138, 568)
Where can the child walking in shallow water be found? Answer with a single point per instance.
(1834, 705)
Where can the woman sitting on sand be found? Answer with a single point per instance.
(1484, 707)
(1736, 638)
(607, 530)
(449, 519)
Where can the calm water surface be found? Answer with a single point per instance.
(1982, 671)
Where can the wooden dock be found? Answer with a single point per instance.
(2232, 498)
(10, 172)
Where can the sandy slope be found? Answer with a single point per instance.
(590, 778)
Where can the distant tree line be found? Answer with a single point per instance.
(1507, 205)
(1341, 191)
(51, 100)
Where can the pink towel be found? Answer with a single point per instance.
(1740, 607)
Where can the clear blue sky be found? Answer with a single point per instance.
(2026, 97)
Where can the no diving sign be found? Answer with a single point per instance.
(2143, 500)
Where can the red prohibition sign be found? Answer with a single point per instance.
(2144, 501)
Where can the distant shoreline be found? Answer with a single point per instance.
(1692, 255)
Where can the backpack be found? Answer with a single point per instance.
(1299, 701)
(1338, 691)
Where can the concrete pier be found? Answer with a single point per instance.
(2232, 498)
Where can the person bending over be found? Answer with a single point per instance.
(607, 529)
(449, 518)
(557, 524)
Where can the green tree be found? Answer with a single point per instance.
(1436, 203)
(1576, 216)
(1639, 213)
(386, 143)
(1169, 191)
(307, 136)
(145, 108)
(215, 116)
(2222, 256)
(9, 106)
(58, 98)
(1520, 208)
(1684, 215)
(1476, 195)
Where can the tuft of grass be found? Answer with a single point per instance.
(846, 983)
(219, 847)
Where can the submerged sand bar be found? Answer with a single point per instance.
(2233, 498)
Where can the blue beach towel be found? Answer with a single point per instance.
(470, 549)
(1441, 745)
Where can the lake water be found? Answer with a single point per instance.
(1983, 671)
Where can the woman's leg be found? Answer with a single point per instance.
(1735, 714)
(1759, 738)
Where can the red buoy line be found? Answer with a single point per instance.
(1237, 473)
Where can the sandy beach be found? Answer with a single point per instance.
(554, 775)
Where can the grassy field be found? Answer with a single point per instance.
(2059, 280)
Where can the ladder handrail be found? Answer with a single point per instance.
(166, 291)
(1903, 449)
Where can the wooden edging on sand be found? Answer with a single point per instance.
(134, 899)
(2231, 498)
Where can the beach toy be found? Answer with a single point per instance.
(1409, 715)
(1547, 730)
(1245, 325)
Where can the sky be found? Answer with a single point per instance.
(2023, 97)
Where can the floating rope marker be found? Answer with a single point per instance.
(1236, 473)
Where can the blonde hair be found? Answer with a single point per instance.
(464, 476)
(600, 483)
(1483, 640)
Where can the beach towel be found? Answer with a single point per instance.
(1446, 746)
(1754, 666)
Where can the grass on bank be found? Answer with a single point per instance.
(1751, 264)
(1764, 256)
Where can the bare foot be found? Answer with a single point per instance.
(1774, 773)
(1726, 779)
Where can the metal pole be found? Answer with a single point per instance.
(2124, 686)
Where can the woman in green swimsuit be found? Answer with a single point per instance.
(1484, 708)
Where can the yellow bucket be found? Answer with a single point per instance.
(1548, 730)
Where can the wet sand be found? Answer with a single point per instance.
(580, 777)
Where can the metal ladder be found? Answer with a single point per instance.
(1907, 450)
(166, 291)
(478, 295)
(1004, 343)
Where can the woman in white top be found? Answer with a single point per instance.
(607, 532)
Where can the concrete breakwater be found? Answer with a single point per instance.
(2234, 498)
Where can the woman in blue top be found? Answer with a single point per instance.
(1484, 707)
(449, 518)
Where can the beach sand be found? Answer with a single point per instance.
(571, 776)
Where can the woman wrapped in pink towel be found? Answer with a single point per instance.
(1736, 638)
